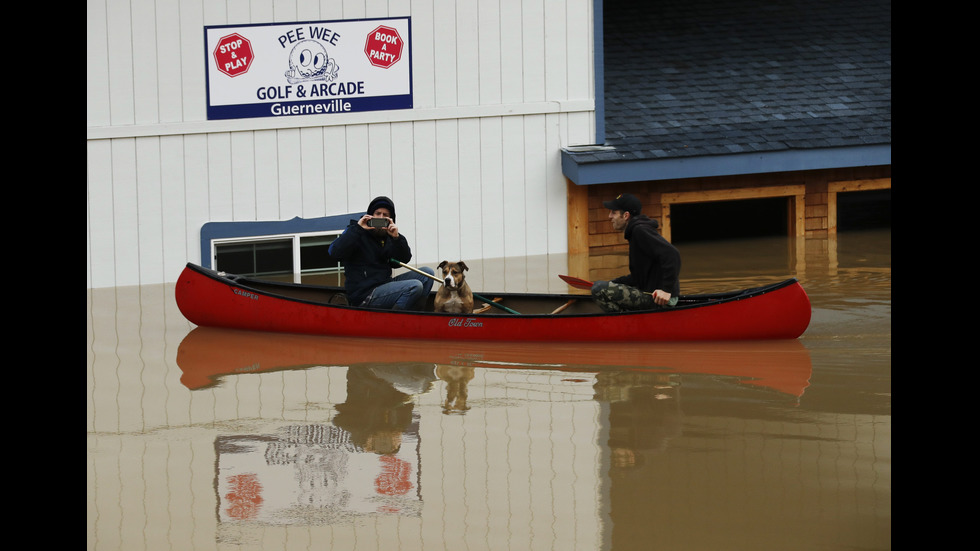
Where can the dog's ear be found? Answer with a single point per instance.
(442, 264)
(463, 265)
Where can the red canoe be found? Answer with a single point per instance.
(212, 299)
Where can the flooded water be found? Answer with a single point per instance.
(203, 439)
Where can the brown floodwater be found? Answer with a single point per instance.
(201, 439)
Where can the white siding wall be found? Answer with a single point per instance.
(474, 169)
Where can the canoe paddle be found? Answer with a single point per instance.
(576, 282)
(476, 296)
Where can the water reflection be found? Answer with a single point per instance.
(365, 462)
(207, 354)
(214, 439)
(601, 415)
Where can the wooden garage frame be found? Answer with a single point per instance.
(796, 208)
(811, 210)
(833, 188)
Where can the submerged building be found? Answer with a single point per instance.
(247, 135)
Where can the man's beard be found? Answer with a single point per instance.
(380, 233)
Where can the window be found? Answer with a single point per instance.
(266, 257)
(280, 250)
(292, 256)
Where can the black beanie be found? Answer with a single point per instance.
(382, 202)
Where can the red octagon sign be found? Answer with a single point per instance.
(383, 47)
(233, 55)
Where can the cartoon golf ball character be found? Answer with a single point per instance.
(308, 61)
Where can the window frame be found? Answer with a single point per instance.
(215, 234)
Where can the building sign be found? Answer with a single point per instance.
(311, 68)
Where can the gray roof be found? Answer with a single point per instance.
(719, 87)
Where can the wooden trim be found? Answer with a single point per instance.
(859, 185)
(704, 196)
(831, 212)
(798, 214)
(578, 217)
(578, 228)
(795, 193)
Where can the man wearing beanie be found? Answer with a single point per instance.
(654, 264)
(365, 250)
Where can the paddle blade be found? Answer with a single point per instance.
(576, 282)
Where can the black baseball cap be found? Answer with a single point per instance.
(625, 202)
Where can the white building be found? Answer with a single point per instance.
(498, 88)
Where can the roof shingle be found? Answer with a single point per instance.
(687, 78)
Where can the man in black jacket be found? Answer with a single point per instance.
(366, 250)
(655, 264)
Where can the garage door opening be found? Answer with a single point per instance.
(717, 220)
(864, 210)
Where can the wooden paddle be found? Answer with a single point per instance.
(563, 306)
(476, 296)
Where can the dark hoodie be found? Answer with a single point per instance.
(654, 262)
(366, 256)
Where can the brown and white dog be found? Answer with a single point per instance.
(454, 295)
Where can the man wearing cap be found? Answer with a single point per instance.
(654, 264)
(366, 252)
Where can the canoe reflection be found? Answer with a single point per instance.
(368, 459)
(207, 354)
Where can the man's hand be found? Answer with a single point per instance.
(661, 297)
(391, 228)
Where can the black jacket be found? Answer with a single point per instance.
(654, 262)
(366, 260)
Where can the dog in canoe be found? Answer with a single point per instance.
(454, 296)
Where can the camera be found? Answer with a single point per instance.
(378, 222)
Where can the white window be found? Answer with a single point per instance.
(281, 256)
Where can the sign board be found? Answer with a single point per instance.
(308, 68)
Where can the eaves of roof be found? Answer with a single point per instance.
(721, 87)
(588, 165)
